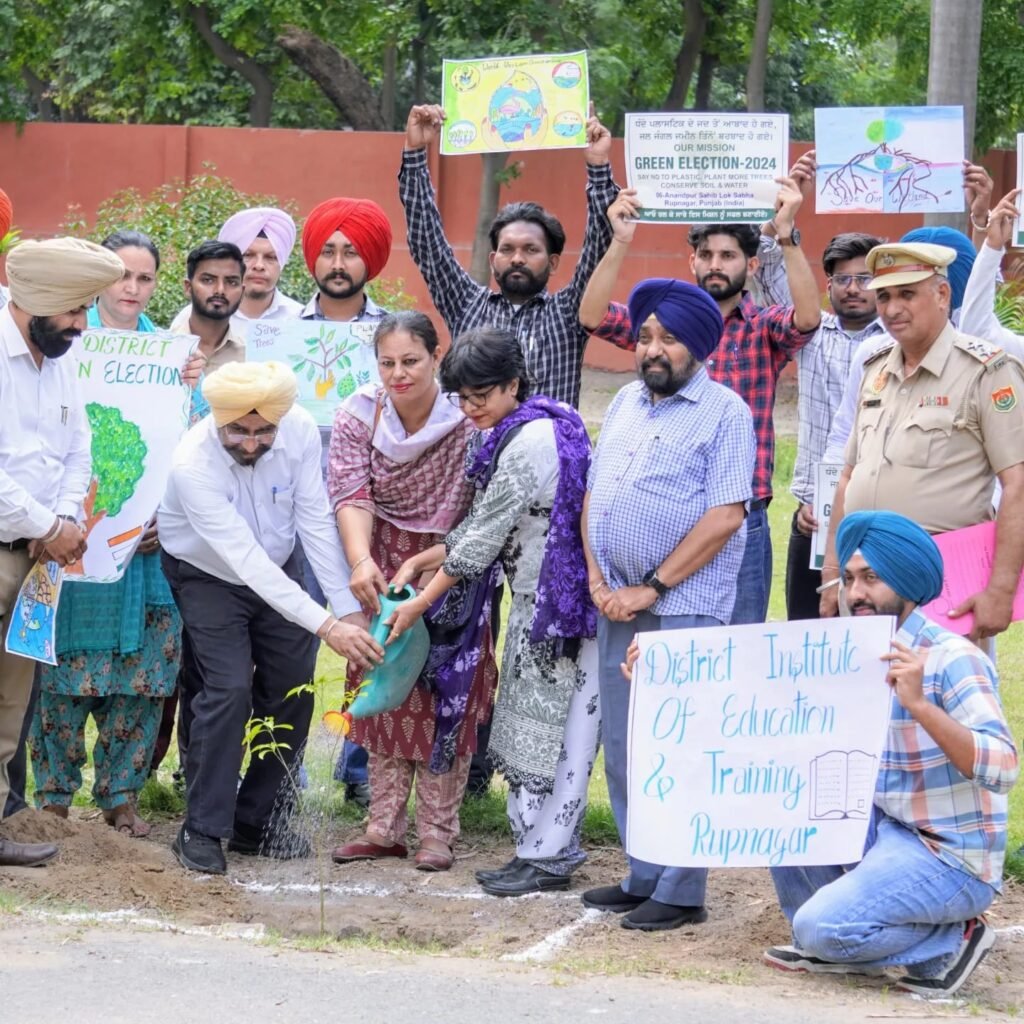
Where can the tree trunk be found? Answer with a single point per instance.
(341, 81)
(953, 73)
(39, 92)
(705, 76)
(261, 105)
(758, 66)
(695, 24)
(487, 209)
(387, 85)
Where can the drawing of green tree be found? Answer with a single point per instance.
(118, 458)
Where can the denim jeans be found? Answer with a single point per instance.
(901, 905)
(754, 582)
(679, 887)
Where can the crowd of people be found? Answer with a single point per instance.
(466, 473)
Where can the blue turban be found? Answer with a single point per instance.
(960, 269)
(683, 309)
(902, 554)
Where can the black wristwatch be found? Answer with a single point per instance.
(651, 580)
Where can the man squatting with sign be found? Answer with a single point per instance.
(244, 482)
(45, 463)
(664, 534)
(939, 418)
(934, 857)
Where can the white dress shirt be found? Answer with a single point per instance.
(45, 460)
(281, 308)
(978, 314)
(239, 523)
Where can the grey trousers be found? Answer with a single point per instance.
(247, 658)
(680, 887)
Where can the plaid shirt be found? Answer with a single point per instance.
(823, 368)
(658, 467)
(547, 325)
(962, 821)
(756, 344)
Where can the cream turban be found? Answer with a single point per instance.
(60, 274)
(237, 389)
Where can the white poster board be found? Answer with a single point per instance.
(330, 358)
(713, 168)
(759, 745)
(138, 408)
(826, 479)
(1019, 234)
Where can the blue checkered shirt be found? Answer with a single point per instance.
(657, 469)
(547, 325)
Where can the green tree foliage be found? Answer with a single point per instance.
(118, 457)
(180, 215)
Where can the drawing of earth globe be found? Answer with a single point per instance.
(516, 107)
(883, 161)
(567, 75)
(567, 124)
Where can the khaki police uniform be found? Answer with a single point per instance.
(929, 445)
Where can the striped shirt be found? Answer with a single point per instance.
(962, 821)
(657, 469)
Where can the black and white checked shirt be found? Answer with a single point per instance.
(547, 325)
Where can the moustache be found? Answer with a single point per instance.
(661, 363)
(857, 605)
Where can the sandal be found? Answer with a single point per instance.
(127, 822)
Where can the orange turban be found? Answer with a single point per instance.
(361, 221)
(6, 213)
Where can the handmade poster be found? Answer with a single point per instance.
(32, 630)
(138, 408)
(1019, 235)
(759, 745)
(693, 167)
(967, 557)
(889, 159)
(826, 479)
(495, 104)
(330, 359)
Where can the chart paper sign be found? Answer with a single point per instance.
(967, 557)
(826, 479)
(889, 159)
(757, 746)
(693, 168)
(138, 408)
(1019, 234)
(495, 104)
(330, 359)
(33, 619)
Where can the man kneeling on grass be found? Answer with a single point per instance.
(934, 857)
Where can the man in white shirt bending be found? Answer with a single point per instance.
(45, 464)
(244, 485)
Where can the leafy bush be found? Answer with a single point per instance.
(1010, 305)
(180, 215)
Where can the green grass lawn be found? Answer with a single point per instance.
(487, 815)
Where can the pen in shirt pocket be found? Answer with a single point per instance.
(275, 491)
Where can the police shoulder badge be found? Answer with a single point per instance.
(1004, 399)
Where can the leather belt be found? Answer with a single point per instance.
(15, 545)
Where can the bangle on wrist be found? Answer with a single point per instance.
(58, 525)
(358, 562)
(336, 622)
(982, 227)
(595, 590)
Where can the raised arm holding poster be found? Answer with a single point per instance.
(889, 159)
(757, 746)
(826, 480)
(1020, 184)
(494, 104)
(138, 409)
(691, 167)
(330, 359)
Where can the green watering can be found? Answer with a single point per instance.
(386, 685)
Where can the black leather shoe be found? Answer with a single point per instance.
(612, 899)
(652, 916)
(26, 855)
(279, 844)
(525, 879)
(491, 874)
(358, 793)
(198, 852)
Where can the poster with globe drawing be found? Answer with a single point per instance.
(889, 159)
(330, 358)
(497, 104)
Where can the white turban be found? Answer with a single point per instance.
(243, 227)
(60, 274)
(237, 389)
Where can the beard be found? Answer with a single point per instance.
(862, 312)
(340, 285)
(662, 379)
(203, 308)
(524, 285)
(52, 342)
(722, 287)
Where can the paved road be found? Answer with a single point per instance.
(56, 973)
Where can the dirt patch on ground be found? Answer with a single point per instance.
(393, 904)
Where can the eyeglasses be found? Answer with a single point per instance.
(476, 400)
(264, 437)
(845, 280)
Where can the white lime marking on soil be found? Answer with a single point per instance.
(249, 933)
(383, 892)
(1013, 931)
(549, 945)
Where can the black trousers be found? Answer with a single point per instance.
(246, 659)
(802, 582)
(17, 768)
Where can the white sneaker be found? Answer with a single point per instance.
(789, 958)
(978, 939)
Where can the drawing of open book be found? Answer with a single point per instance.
(842, 784)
